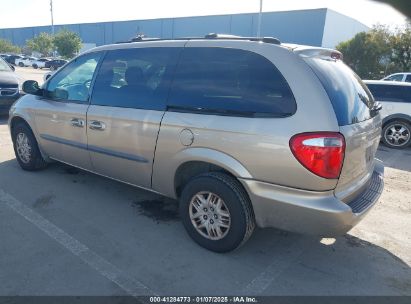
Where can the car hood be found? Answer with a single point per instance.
(8, 79)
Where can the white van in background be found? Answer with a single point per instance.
(395, 98)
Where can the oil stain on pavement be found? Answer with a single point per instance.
(44, 201)
(159, 210)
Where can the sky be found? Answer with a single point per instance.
(23, 13)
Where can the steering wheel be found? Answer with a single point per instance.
(87, 83)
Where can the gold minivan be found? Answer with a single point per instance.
(243, 132)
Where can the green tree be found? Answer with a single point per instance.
(401, 49)
(67, 43)
(7, 47)
(43, 43)
(368, 53)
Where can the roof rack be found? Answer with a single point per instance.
(143, 38)
(233, 37)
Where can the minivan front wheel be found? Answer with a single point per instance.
(397, 134)
(26, 149)
(217, 212)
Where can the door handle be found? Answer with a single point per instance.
(97, 125)
(76, 122)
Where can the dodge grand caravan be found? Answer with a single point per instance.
(243, 132)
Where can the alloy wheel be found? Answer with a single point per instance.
(209, 215)
(397, 135)
(23, 148)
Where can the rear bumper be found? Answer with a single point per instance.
(309, 212)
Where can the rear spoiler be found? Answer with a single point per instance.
(315, 52)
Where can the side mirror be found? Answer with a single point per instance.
(12, 67)
(32, 87)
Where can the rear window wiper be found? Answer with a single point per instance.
(376, 107)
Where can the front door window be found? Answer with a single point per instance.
(72, 83)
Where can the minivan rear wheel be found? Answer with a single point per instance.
(216, 212)
(397, 134)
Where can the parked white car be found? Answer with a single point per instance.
(25, 61)
(40, 63)
(395, 98)
(402, 77)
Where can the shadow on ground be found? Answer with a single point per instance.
(395, 158)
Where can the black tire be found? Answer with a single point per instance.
(21, 64)
(389, 136)
(53, 68)
(237, 202)
(35, 66)
(36, 161)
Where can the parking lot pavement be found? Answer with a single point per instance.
(28, 73)
(68, 232)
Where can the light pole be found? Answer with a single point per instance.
(52, 25)
(52, 18)
(260, 16)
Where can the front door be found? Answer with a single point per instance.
(126, 110)
(61, 115)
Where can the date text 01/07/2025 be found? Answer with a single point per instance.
(203, 299)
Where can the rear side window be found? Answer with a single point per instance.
(350, 97)
(226, 81)
(392, 93)
(408, 78)
(135, 78)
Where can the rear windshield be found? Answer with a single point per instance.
(350, 97)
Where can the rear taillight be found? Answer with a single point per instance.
(322, 152)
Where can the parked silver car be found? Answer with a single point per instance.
(242, 131)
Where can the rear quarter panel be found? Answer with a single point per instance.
(260, 145)
(362, 140)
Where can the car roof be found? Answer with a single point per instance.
(399, 73)
(235, 41)
(212, 37)
(384, 82)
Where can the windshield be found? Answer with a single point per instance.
(350, 97)
(4, 67)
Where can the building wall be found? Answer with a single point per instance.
(340, 28)
(302, 27)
